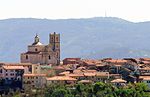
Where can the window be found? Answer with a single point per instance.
(57, 39)
(12, 74)
(26, 56)
(49, 57)
(52, 39)
(0, 70)
(36, 49)
(148, 81)
(57, 55)
(6, 74)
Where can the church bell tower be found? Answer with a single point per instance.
(55, 43)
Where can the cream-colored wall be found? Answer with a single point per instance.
(32, 58)
(39, 58)
(26, 69)
(9, 72)
(37, 81)
(36, 69)
(38, 47)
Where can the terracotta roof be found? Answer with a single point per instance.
(118, 81)
(76, 75)
(80, 68)
(146, 62)
(64, 73)
(145, 59)
(89, 74)
(91, 62)
(118, 65)
(30, 75)
(12, 67)
(145, 68)
(90, 71)
(141, 64)
(61, 78)
(102, 73)
(116, 61)
(99, 65)
(85, 81)
(77, 71)
(144, 77)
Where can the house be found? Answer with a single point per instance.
(115, 61)
(144, 71)
(114, 65)
(119, 82)
(11, 72)
(12, 76)
(28, 67)
(59, 69)
(34, 81)
(115, 68)
(60, 80)
(102, 76)
(145, 79)
(90, 63)
(87, 75)
(71, 61)
(144, 59)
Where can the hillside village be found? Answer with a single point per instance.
(40, 66)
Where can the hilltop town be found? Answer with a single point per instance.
(41, 66)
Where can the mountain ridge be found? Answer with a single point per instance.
(87, 38)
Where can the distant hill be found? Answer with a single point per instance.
(88, 38)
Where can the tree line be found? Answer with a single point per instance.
(98, 89)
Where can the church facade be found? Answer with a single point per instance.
(43, 54)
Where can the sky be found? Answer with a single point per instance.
(132, 10)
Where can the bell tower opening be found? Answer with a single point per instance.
(55, 41)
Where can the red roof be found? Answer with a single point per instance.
(12, 67)
(61, 78)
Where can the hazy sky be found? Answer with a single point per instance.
(133, 10)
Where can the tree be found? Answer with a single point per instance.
(59, 93)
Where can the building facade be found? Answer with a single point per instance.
(34, 81)
(43, 54)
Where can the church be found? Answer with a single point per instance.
(43, 54)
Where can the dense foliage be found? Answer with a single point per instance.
(98, 89)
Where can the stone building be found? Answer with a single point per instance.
(43, 54)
